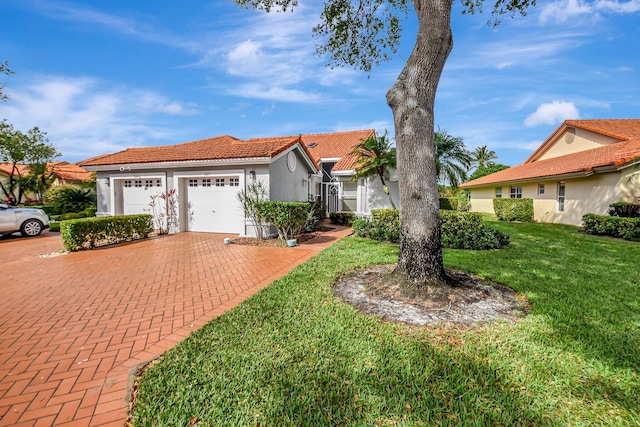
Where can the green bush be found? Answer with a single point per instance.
(514, 209)
(624, 210)
(54, 226)
(341, 218)
(90, 232)
(69, 199)
(289, 218)
(460, 230)
(614, 226)
(465, 230)
(314, 215)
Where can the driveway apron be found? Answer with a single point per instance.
(75, 328)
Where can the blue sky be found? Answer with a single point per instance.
(101, 76)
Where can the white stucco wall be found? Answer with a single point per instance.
(287, 185)
(583, 140)
(376, 198)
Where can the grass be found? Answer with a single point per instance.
(295, 354)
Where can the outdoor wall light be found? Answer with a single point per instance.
(252, 174)
(304, 182)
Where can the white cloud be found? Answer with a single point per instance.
(84, 117)
(273, 93)
(552, 113)
(561, 11)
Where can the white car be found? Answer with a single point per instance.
(28, 221)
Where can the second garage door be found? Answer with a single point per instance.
(214, 205)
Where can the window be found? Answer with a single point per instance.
(515, 192)
(561, 197)
(193, 183)
(148, 183)
(206, 182)
(219, 182)
(540, 188)
(158, 183)
(498, 192)
(234, 182)
(137, 183)
(127, 183)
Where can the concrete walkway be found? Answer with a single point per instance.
(75, 328)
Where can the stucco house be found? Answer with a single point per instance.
(335, 184)
(582, 167)
(208, 174)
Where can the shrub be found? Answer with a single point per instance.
(465, 230)
(460, 230)
(514, 209)
(90, 232)
(341, 218)
(625, 228)
(256, 192)
(68, 199)
(288, 218)
(314, 214)
(54, 226)
(624, 210)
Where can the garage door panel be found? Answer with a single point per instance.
(136, 194)
(214, 205)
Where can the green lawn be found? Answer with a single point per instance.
(297, 355)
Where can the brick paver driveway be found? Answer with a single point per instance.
(74, 328)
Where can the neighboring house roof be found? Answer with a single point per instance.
(581, 163)
(336, 145)
(65, 171)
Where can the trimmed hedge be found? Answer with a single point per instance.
(289, 218)
(460, 230)
(614, 226)
(341, 218)
(87, 233)
(514, 209)
(454, 204)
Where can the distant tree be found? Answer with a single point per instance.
(31, 148)
(4, 69)
(487, 170)
(375, 157)
(362, 34)
(453, 160)
(482, 156)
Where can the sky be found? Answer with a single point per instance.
(101, 76)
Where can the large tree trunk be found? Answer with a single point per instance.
(412, 99)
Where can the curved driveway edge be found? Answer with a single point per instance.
(75, 327)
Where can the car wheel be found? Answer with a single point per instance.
(31, 228)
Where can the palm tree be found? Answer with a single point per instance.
(375, 156)
(453, 159)
(483, 157)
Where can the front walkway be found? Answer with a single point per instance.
(75, 328)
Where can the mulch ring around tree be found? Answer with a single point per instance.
(470, 300)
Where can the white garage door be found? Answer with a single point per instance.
(136, 194)
(214, 204)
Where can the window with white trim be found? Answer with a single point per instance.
(158, 183)
(219, 182)
(515, 192)
(234, 182)
(498, 192)
(137, 183)
(206, 182)
(127, 183)
(561, 191)
(148, 183)
(540, 189)
(193, 183)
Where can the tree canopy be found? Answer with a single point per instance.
(16, 148)
(482, 156)
(4, 69)
(453, 159)
(487, 170)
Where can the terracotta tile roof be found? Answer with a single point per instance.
(327, 145)
(626, 150)
(218, 148)
(69, 171)
(7, 169)
(336, 145)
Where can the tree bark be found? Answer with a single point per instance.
(412, 100)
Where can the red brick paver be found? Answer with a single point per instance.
(75, 328)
